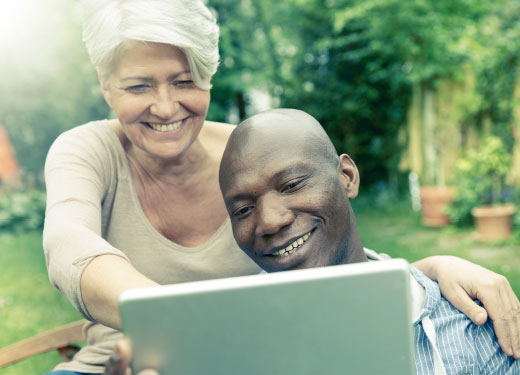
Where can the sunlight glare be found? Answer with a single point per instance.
(16, 17)
(29, 31)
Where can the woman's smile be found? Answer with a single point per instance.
(165, 127)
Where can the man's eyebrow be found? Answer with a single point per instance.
(237, 197)
(293, 168)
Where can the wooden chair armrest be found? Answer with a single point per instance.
(60, 338)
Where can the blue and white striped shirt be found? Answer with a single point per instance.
(463, 347)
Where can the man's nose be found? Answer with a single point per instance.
(164, 103)
(273, 215)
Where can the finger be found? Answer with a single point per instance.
(515, 331)
(114, 365)
(503, 333)
(460, 299)
(119, 361)
(514, 324)
(516, 338)
(512, 316)
(502, 317)
(124, 349)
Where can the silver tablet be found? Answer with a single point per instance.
(349, 319)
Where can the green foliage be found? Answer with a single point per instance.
(350, 63)
(22, 210)
(494, 50)
(424, 34)
(481, 179)
(358, 91)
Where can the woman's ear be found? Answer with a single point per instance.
(105, 90)
(349, 175)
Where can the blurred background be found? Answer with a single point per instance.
(424, 96)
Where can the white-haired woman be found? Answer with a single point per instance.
(135, 201)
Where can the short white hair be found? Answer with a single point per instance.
(109, 26)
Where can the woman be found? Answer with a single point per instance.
(134, 201)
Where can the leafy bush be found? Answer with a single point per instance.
(481, 179)
(22, 210)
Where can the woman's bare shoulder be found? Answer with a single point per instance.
(216, 133)
(214, 136)
(219, 128)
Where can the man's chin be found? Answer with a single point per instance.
(279, 265)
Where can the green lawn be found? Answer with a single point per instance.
(398, 232)
(29, 304)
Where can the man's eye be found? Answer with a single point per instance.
(291, 185)
(242, 211)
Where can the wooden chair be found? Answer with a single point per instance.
(62, 339)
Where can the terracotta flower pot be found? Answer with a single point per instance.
(434, 200)
(494, 222)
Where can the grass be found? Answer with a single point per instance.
(29, 304)
(397, 231)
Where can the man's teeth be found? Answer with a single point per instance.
(165, 128)
(292, 247)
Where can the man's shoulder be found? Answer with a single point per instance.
(374, 255)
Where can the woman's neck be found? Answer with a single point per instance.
(174, 171)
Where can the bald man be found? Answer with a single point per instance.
(288, 195)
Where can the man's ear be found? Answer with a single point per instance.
(105, 90)
(349, 175)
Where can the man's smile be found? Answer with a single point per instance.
(293, 246)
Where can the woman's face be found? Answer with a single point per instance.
(153, 94)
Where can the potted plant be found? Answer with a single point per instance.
(482, 191)
(433, 135)
(434, 202)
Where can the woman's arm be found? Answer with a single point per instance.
(87, 269)
(461, 281)
(103, 280)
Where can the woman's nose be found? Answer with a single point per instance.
(164, 104)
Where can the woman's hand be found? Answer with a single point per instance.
(461, 281)
(119, 361)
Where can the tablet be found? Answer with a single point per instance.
(347, 319)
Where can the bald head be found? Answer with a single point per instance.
(277, 131)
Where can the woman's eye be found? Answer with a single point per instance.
(242, 211)
(183, 83)
(137, 88)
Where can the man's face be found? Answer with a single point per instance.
(288, 208)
